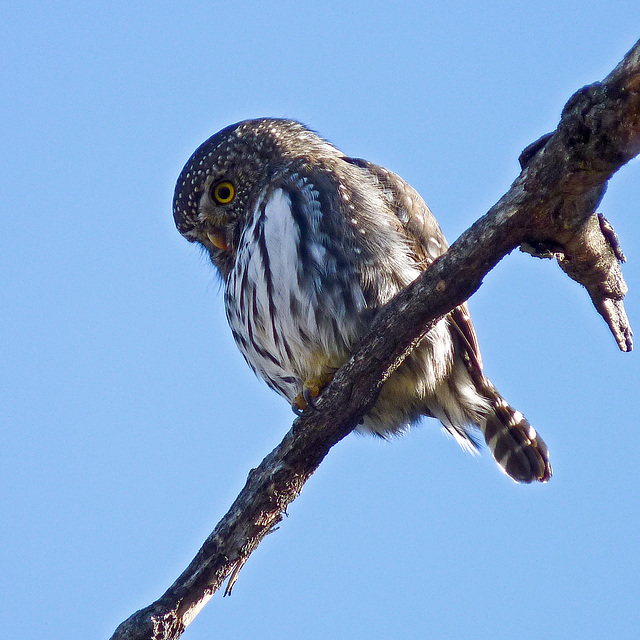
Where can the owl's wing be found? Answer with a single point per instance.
(427, 242)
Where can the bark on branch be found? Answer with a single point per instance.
(548, 211)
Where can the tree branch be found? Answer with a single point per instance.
(548, 211)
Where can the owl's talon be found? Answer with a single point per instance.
(299, 404)
(312, 389)
(310, 399)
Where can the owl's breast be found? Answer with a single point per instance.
(290, 311)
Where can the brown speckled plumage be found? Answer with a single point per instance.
(309, 246)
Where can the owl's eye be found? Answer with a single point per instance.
(224, 192)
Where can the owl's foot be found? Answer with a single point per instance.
(311, 390)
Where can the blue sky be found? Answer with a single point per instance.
(129, 419)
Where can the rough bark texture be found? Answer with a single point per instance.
(548, 211)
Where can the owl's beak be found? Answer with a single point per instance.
(217, 239)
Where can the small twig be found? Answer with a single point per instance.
(234, 576)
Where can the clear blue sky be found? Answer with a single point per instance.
(129, 420)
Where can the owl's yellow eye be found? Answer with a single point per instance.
(224, 192)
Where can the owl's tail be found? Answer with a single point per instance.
(517, 448)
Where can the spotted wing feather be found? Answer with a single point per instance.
(517, 448)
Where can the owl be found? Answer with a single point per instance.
(309, 244)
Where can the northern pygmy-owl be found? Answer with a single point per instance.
(309, 244)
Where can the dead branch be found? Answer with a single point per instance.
(548, 211)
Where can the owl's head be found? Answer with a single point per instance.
(223, 180)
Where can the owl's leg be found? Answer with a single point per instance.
(311, 389)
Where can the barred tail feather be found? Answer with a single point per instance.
(517, 448)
